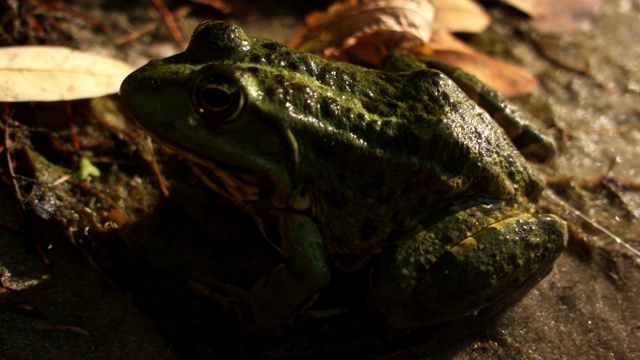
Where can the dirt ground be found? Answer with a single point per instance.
(119, 293)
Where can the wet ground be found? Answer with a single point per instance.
(588, 307)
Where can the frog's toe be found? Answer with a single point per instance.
(534, 146)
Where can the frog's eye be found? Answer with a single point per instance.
(218, 98)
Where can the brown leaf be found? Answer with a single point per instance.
(460, 16)
(508, 79)
(53, 73)
(343, 24)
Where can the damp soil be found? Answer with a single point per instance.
(101, 269)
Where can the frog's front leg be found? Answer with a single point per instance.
(271, 306)
(462, 264)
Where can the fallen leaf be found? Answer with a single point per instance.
(460, 16)
(344, 23)
(54, 73)
(508, 79)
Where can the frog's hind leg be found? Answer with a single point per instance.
(411, 288)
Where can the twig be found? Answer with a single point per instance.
(553, 198)
(169, 19)
(146, 28)
(12, 174)
(631, 183)
(156, 170)
(64, 328)
(28, 309)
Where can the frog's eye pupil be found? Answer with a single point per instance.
(218, 99)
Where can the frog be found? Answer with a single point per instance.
(399, 174)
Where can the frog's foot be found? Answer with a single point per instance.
(409, 290)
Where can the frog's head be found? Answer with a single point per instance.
(205, 105)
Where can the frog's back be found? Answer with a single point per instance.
(419, 126)
(414, 120)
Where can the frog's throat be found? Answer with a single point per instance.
(239, 190)
(282, 195)
(243, 191)
(286, 187)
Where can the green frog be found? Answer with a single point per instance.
(396, 173)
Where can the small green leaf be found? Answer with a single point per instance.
(86, 169)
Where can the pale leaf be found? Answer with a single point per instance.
(508, 79)
(53, 73)
(460, 16)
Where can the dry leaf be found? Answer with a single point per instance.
(343, 24)
(53, 73)
(460, 16)
(507, 79)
